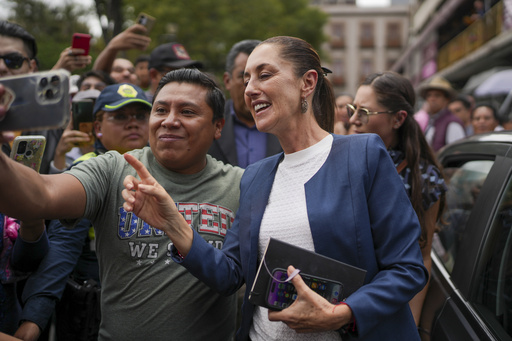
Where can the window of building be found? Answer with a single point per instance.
(338, 72)
(394, 35)
(366, 68)
(366, 35)
(338, 35)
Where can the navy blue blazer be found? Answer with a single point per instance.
(359, 213)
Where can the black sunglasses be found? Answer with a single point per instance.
(13, 60)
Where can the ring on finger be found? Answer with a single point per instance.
(70, 52)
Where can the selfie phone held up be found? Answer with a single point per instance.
(38, 100)
(83, 115)
(146, 20)
(28, 150)
(83, 118)
(282, 294)
(81, 41)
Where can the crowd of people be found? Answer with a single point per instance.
(151, 223)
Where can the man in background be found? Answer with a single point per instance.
(241, 143)
(461, 107)
(443, 127)
(167, 57)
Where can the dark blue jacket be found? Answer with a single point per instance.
(359, 214)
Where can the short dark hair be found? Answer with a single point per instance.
(464, 100)
(214, 97)
(490, 106)
(244, 46)
(95, 73)
(141, 58)
(9, 29)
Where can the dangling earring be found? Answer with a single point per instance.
(99, 135)
(304, 105)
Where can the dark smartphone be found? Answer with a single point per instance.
(82, 115)
(282, 295)
(146, 20)
(28, 150)
(81, 41)
(38, 100)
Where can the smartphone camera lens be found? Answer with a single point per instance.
(43, 82)
(22, 147)
(49, 94)
(55, 80)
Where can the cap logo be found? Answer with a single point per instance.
(127, 90)
(180, 52)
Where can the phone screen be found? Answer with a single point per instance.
(282, 295)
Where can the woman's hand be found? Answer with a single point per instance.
(311, 312)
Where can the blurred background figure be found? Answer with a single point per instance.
(120, 69)
(485, 119)
(443, 126)
(341, 123)
(241, 143)
(164, 58)
(384, 105)
(461, 107)
(123, 71)
(142, 71)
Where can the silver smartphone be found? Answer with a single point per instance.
(37, 100)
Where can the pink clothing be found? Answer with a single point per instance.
(422, 118)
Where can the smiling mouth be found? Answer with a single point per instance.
(260, 107)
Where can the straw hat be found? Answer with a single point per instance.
(438, 83)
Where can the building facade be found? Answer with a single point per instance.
(361, 40)
(464, 41)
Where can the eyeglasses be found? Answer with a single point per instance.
(13, 60)
(363, 113)
(123, 118)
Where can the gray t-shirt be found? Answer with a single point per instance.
(145, 295)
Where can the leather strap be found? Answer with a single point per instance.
(401, 166)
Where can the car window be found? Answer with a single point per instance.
(464, 183)
(493, 297)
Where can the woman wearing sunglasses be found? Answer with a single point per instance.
(384, 105)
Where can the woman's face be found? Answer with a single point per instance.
(273, 92)
(483, 120)
(124, 129)
(380, 124)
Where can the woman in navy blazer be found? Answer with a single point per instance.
(350, 206)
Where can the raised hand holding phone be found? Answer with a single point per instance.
(81, 41)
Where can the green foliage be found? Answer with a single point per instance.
(208, 28)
